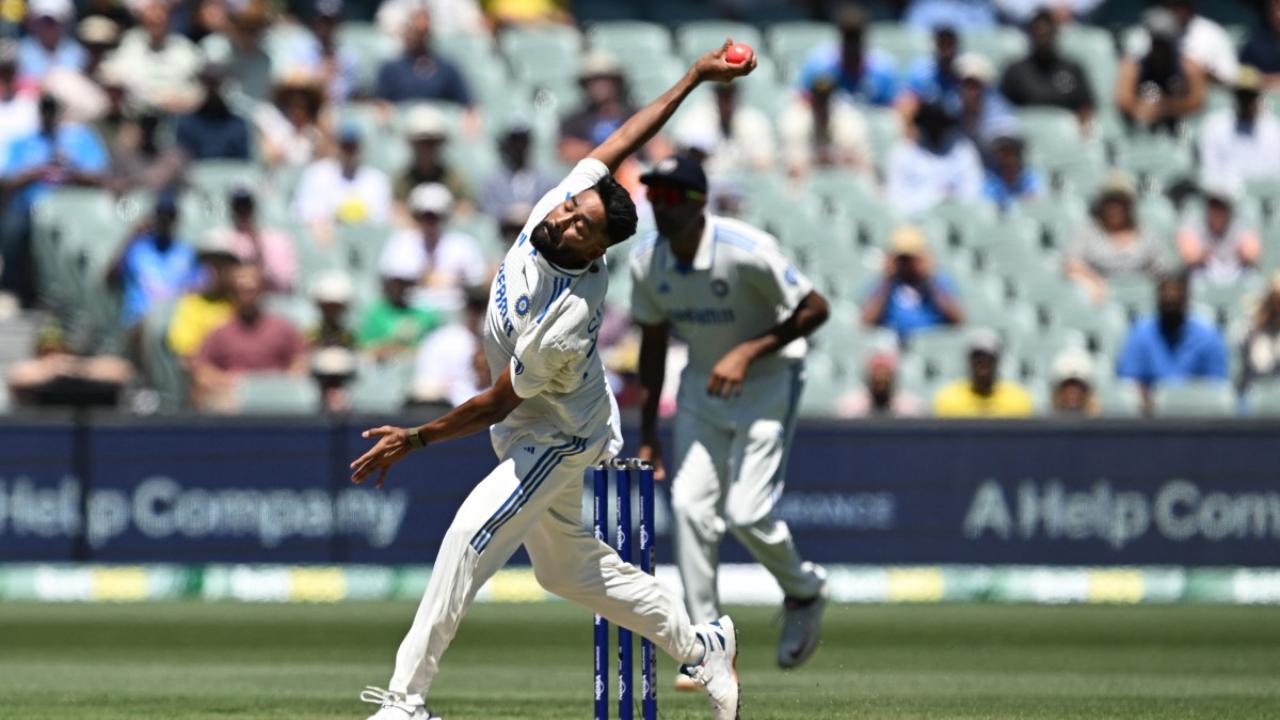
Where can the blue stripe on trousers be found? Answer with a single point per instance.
(525, 490)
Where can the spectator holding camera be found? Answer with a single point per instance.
(911, 296)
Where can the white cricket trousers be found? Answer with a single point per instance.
(731, 458)
(534, 497)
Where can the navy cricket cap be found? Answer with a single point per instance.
(679, 170)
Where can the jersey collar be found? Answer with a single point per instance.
(704, 258)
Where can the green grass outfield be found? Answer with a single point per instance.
(206, 661)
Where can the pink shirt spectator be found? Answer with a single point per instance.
(270, 344)
(273, 252)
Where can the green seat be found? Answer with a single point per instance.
(1262, 399)
(297, 309)
(1266, 193)
(1233, 299)
(370, 47)
(1095, 49)
(1157, 216)
(791, 42)
(520, 43)
(1058, 219)
(824, 384)
(884, 128)
(630, 38)
(277, 394)
(464, 48)
(654, 76)
(1001, 45)
(693, 39)
(1135, 293)
(903, 42)
(763, 89)
(1118, 399)
(217, 178)
(1202, 398)
(967, 224)
(1050, 132)
(1155, 160)
(943, 350)
(160, 367)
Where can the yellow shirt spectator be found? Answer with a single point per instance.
(958, 400)
(194, 317)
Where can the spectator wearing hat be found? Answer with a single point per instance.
(879, 395)
(342, 189)
(1241, 143)
(736, 138)
(937, 165)
(1171, 346)
(1260, 348)
(133, 135)
(451, 261)
(1113, 243)
(1217, 246)
(268, 249)
(203, 310)
(1044, 78)
(1157, 89)
(1009, 180)
(48, 45)
(911, 296)
(251, 341)
(157, 66)
(333, 368)
(450, 367)
(319, 54)
(67, 370)
(99, 35)
(19, 107)
(116, 11)
(58, 153)
(392, 325)
(983, 394)
(213, 131)
(420, 73)
(1071, 392)
(1200, 40)
(332, 293)
(1262, 50)
(153, 266)
(824, 129)
(982, 113)
(428, 133)
(605, 106)
(516, 181)
(293, 129)
(863, 74)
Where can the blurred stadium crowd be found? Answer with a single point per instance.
(252, 206)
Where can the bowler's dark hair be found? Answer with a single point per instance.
(619, 210)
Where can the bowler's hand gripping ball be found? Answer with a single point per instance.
(738, 54)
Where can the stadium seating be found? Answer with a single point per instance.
(277, 394)
(1195, 399)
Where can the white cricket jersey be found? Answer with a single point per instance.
(542, 323)
(739, 286)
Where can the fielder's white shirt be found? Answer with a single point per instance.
(542, 323)
(739, 286)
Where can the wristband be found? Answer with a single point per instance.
(415, 440)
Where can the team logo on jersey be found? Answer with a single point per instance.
(720, 287)
(522, 305)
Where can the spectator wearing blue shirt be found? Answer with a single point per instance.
(213, 131)
(48, 45)
(58, 153)
(933, 78)
(421, 74)
(1009, 179)
(153, 266)
(982, 111)
(864, 74)
(911, 297)
(961, 14)
(1172, 346)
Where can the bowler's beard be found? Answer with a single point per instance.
(546, 240)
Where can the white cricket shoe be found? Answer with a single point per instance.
(718, 671)
(395, 706)
(802, 624)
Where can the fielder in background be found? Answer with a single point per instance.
(550, 414)
(726, 289)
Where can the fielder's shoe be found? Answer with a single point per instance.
(802, 625)
(395, 706)
(718, 671)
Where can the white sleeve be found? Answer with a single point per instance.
(549, 348)
(774, 277)
(644, 310)
(585, 174)
(311, 202)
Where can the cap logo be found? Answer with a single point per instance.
(667, 166)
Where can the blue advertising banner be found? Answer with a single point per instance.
(259, 490)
